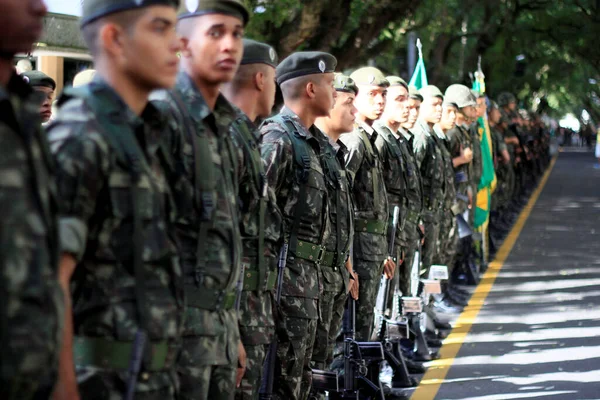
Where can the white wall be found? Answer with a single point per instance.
(69, 7)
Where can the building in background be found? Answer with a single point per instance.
(61, 52)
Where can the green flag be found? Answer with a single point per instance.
(419, 78)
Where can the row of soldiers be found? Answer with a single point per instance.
(144, 228)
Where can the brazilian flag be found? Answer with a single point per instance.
(419, 78)
(487, 184)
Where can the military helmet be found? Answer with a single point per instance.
(460, 95)
(506, 98)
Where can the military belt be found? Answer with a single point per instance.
(211, 300)
(370, 226)
(111, 354)
(413, 216)
(310, 251)
(331, 259)
(251, 280)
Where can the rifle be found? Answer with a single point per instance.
(362, 365)
(266, 389)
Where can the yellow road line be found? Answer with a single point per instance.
(438, 369)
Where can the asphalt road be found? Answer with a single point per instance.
(537, 335)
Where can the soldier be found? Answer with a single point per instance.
(371, 204)
(394, 171)
(253, 91)
(31, 311)
(113, 179)
(209, 232)
(292, 148)
(45, 87)
(336, 268)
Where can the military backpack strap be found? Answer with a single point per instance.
(372, 159)
(260, 181)
(124, 143)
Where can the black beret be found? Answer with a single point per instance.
(38, 78)
(258, 53)
(305, 63)
(94, 9)
(344, 83)
(196, 8)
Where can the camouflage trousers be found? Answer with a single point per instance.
(333, 299)
(257, 329)
(448, 241)
(369, 278)
(412, 245)
(101, 384)
(430, 245)
(293, 376)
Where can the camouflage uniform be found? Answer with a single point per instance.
(260, 226)
(370, 223)
(210, 238)
(459, 138)
(448, 229)
(31, 296)
(431, 164)
(335, 276)
(302, 198)
(476, 131)
(128, 277)
(414, 195)
(394, 177)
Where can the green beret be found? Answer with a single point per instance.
(460, 95)
(38, 78)
(396, 81)
(305, 63)
(343, 83)
(94, 9)
(258, 53)
(431, 91)
(369, 76)
(196, 8)
(413, 93)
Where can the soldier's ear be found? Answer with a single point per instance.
(259, 81)
(310, 90)
(112, 39)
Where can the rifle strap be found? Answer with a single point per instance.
(372, 158)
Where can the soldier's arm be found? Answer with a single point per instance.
(420, 149)
(354, 156)
(79, 171)
(277, 154)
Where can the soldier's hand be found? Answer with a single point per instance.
(354, 285)
(241, 364)
(389, 268)
(467, 155)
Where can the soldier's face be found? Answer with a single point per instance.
(431, 110)
(481, 107)
(414, 107)
(495, 116)
(370, 101)
(448, 120)
(22, 24)
(396, 105)
(342, 116)
(47, 94)
(324, 94)
(269, 87)
(214, 49)
(149, 53)
(470, 112)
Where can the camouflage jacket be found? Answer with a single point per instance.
(394, 175)
(450, 193)
(31, 312)
(370, 197)
(302, 197)
(97, 221)
(431, 164)
(459, 138)
(476, 131)
(414, 185)
(209, 230)
(341, 214)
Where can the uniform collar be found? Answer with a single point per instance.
(311, 132)
(407, 135)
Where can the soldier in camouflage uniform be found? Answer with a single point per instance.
(113, 178)
(31, 313)
(336, 268)
(431, 164)
(253, 91)
(371, 203)
(44, 86)
(292, 149)
(209, 231)
(395, 172)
